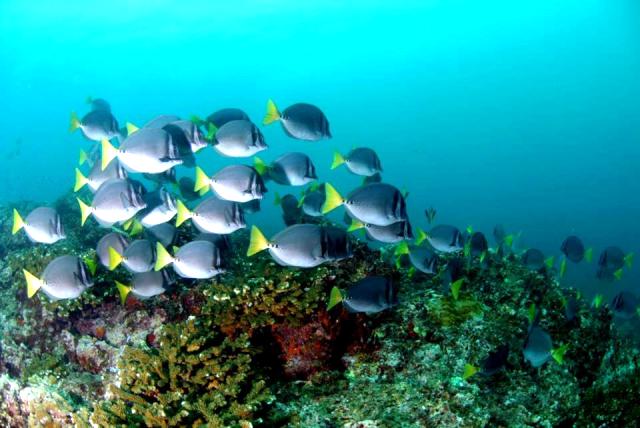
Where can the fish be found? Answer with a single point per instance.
(115, 201)
(476, 244)
(159, 122)
(139, 256)
(97, 176)
(300, 121)
(443, 238)
(222, 242)
(300, 245)
(185, 186)
(290, 169)
(492, 364)
(97, 125)
(312, 201)
(237, 183)
(337, 243)
(251, 207)
(453, 276)
(625, 305)
(145, 285)
(538, 348)
(573, 249)
(65, 277)
(213, 215)
(391, 234)
(187, 139)
(42, 225)
(166, 177)
(571, 308)
(360, 161)
(147, 150)
(613, 258)
(164, 233)
(533, 259)
(111, 240)
(196, 260)
(422, 258)
(379, 204)
(99, 104)
(430, 213)
(369, 295)
(160, 208)
(291, 212)
(237, 139)
(221, 117)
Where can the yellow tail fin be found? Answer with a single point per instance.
(85, 211)
(163, 258)
(124, 291)
(422, 235)
(338, 160)
(355, 225)
(588, 255)
(115, 258)
(469, 370)
(272, 115)
(257, 242)
(33, 283)
(131, 128)
(455, 288)
(402, 248)
(334, 298)
(202, 180)
(18, 223)
(563, 267)
(558, 353)
(136, 228)
(109, 153)
(332, 199)
(82, 157)
(211, 132)
(183, 213)
(260, 165)
(74, 122)
(81, 180)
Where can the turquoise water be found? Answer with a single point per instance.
(521, 113)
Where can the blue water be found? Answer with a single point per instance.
(522, 113)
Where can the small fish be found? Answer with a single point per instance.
(313, 200)
(430, 213)
(65, 277)
(238, 139)
(166, 177)
(377, 203)
(624, 305)
(97, 125)
(613, 258)
(196, 260)
(369, 295)
(477, 244)
(164, 233)
(291, 212)
(161, 121)
(292, 169)
(391, 234)
(213, 215)
(147, 150)
(225, 115)
(97, 176)
(145, 285)
(422, 258)
(160, 208)
(492, 364)
(99, 104)
(139, 256)
(301, 121)
(443, 238)
(237, 183)
(533, 259)
(360, 161)
(538, 348)
(42, 225)
(185, 186)
(300, 245)
(111, 240)
(115, 201)
(573, 249)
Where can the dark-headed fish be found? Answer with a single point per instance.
(625, 305)
(492, 364)
(573, 249)
(369, 295)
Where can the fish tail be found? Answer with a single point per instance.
(558, 353)
(115, 258)
(455, 288)
(91, 264)
(131, 128)
(211, 131)
(163, 258)
(332, 199)
(136, 227)
(355, 225)
(109, 153)
(257, 242)
(402, 248)
(597, 300)
(196, 120)
(628, 260)
(618, 274)
(202, 180)
(550, 261)
(277, 199)
(260, 165)
(81, 180)
(301, 201)
(272, 114)
(184, 213)
(469, 370)
(422, 235)
(124, 291)
(33, 283)
(338, 160)
(563, 267)
(588, 255)
(335, 297)
(74, 123)
(18, 223)
(85, 211)
(83, 157)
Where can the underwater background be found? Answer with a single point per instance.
(522, 114)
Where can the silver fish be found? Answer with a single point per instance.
(237, 183)
(360, 161)
(300, 245)
(97, 125)
(97, 176)
(238, 138)
(370, 295)
(213, 215)
(379, 204)
(160, 208)
(197, 260)
(42, 225)
(301, 121)
(65, 277)
(139, 256)
(293, 169)
(115, 201)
